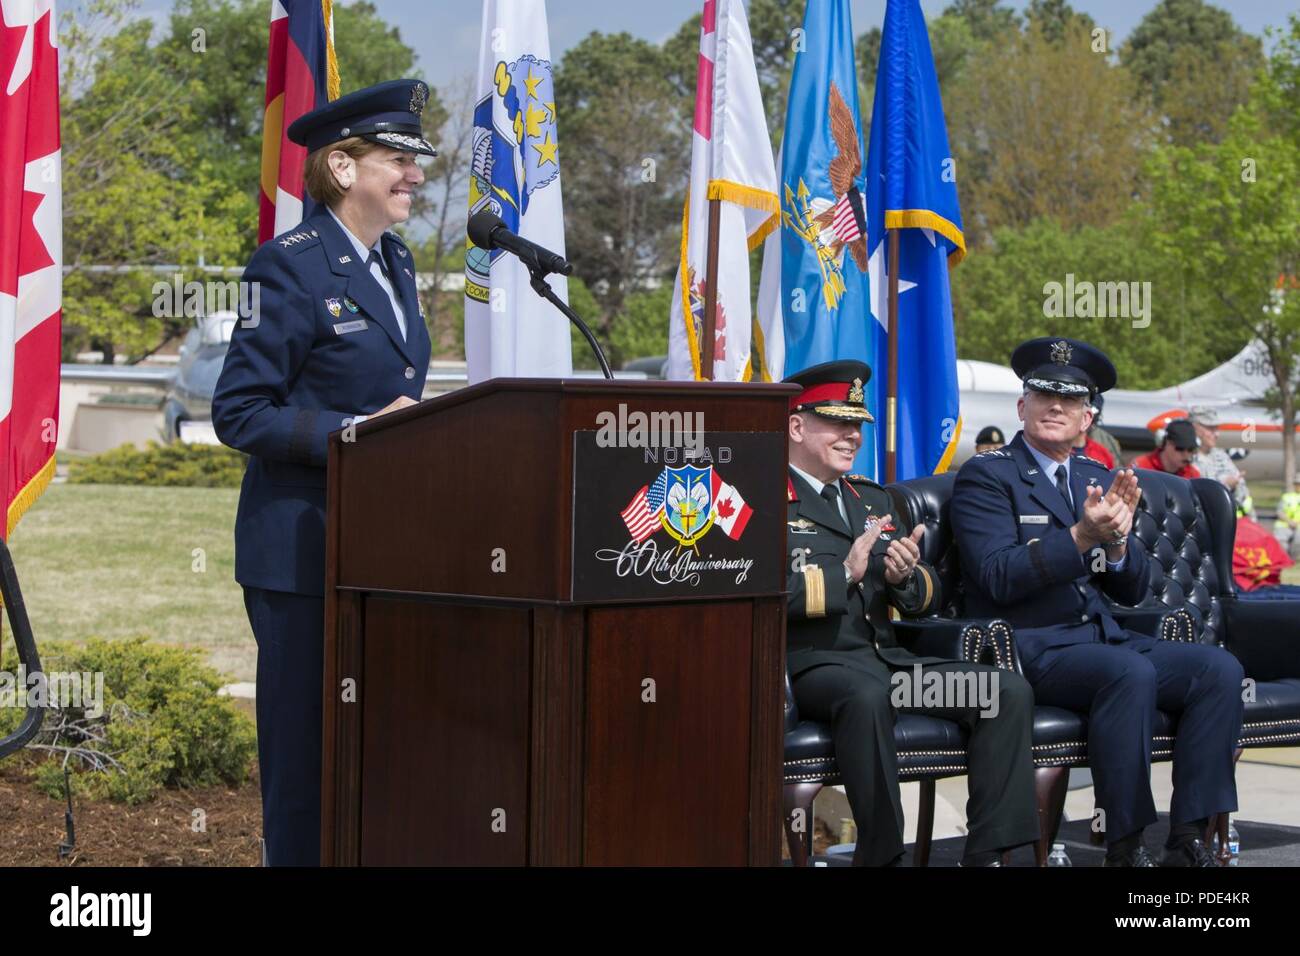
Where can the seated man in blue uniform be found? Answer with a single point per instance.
(849, 564)
(1042, 534)
(339, 336)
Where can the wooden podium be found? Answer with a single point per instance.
(510, 678)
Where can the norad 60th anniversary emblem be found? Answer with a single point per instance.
(650, 521)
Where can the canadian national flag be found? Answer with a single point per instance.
(730, 513)
(31, 252)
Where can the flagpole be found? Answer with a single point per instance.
(891, 399)
(708, 334)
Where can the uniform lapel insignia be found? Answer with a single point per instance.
(1032, 471)
(335, 306)
(408, 272)
(802, 526)
(344, 259)
(349, 304)
(401, 252)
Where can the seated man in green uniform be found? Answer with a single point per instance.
(848, 565)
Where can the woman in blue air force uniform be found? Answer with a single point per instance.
(337, 336)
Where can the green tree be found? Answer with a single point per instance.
(1195, 63)
(1000, 294)
(1055, 17)
(1231, 212)
(988, 20)
(1044, 129)
(625, 153)
(137, 189)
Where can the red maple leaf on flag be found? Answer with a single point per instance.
(725, 508)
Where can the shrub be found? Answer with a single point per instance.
(162, 723)
(175, 464)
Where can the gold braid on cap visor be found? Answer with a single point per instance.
(845, 413)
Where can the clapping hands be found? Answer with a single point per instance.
(1108, 518)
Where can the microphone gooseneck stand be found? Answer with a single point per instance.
(538, 272)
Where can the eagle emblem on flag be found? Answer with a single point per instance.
(832, 226)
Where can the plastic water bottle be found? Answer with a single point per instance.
(1234, 844)
(1058, 856)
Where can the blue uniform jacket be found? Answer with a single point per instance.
(324, 347)
(1018, 560)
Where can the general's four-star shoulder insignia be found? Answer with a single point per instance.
(994, 453)
(293, 238)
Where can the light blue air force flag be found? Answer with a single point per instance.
(819, 310)
(912, 186)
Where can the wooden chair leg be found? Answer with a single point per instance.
(924, 824)
(797, 797)
(1050, 785)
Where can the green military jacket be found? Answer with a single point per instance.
(830, 620)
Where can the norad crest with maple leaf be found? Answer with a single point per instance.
(687, 502)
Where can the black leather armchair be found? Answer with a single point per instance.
(1263, 635)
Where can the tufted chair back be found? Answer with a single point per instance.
(1187, 544)
(925, 500)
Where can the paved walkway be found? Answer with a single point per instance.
(1268, 791)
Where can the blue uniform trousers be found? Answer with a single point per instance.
(1119, 687)
(290, 632)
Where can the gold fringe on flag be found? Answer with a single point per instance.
(331, 61)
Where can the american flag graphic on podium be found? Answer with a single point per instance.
(642, 514)
(31, 253)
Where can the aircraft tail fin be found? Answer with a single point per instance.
(1243, 378)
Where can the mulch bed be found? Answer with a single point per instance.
(157, 833)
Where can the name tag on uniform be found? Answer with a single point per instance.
(1033, 519)
(356, 325)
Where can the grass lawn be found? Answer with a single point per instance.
(115, 560)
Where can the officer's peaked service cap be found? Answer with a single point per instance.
(1063, 367)
(387, 114)
(833, 390)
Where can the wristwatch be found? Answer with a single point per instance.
(848, 574)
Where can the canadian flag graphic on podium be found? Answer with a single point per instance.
(31, 252)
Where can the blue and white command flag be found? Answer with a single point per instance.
(912, 187)
(509, 329)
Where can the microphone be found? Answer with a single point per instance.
(487, 231)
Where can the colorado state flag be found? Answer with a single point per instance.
(912, 186)
(301, 75)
